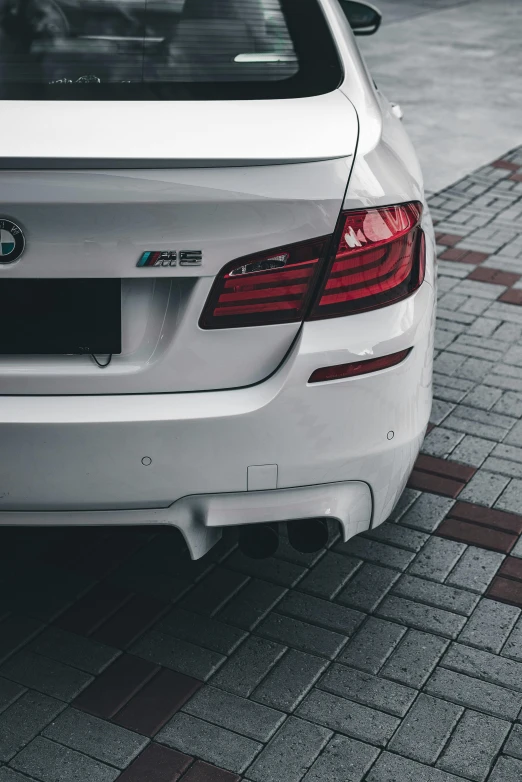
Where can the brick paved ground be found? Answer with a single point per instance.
(394, 658)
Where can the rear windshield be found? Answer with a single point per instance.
(165, 49)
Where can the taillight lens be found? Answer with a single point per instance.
(272, 287)
(379, 259)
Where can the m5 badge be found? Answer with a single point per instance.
(170, 258)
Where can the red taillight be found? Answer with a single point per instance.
(272, 287)
(340, 371)
(379, 259)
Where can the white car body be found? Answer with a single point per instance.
(195, 428)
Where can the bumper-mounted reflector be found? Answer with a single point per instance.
(356, 368)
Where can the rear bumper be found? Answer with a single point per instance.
(127, 459)
(202, 518)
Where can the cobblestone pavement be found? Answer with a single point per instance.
(394, 658)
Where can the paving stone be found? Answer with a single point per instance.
(472, 450)
(397, 535)
(475, 569)
(485, 488)
(427, 512)
(15, 632)
(202, 631)
(503, 467)
(483, 397)
(290, 680)
(252, 603)
(415, 658)
(52, 762)
(426, 729)
(130, 621)
(157, 764)
(441, 442)
(301, 635)
(8, 775)
(213, 591)
(368, 587)
(459, 601)
(484, 665)
(393, 768)
(248, 666)
(347, 717)
(511, 498)
(234, 713)
(216, 745)
(421, 617)
(9, 693)
(490, 625)
(367, 689)
(92, 610)
(156, 702)
(279, 571)
(513, 745)
(369, 649)
(474, 746)
(290, 753)
(374, 551)
(513, 646)
(330, 575)
(342, 759)
(506, 770)
(474, 693)
(23, 720)
(437, 559)
(320, 612)
(83, 653)
(97, 738)
(187, 658)
(45, 675)
(404, 503)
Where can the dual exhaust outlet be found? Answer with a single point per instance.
(259, 541)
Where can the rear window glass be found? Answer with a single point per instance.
(165, 49)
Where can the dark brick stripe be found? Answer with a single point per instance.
(114, 688)
(156, 764)
(477, 525)
(463, 256)
(475, 535)
(487, 517)
(506, 590)
(507, 164)
(156, 702)
(448, 240)
(494, 276)
(511, 296)
(507, 584)
(435, 484)
(203, 772)
(445, 468)
(440, 476)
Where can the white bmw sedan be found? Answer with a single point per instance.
(216, 271)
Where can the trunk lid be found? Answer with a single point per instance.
(95, 185)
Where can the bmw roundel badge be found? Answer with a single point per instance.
(12, 241)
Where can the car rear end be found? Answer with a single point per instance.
(223, 313)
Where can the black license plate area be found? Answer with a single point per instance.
(60, 317)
